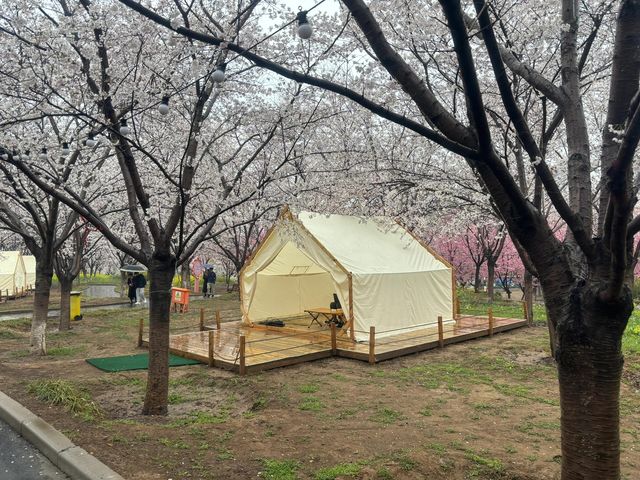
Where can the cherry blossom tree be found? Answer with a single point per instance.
(509, 268)
(67, 265)
(44, 226)
(586, 277)
(154, 117)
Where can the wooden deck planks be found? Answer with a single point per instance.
(272, 347)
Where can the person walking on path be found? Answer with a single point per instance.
(211, 282)
(140, 282)
(131, 293)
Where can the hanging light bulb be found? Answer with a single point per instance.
(219, 75)
(124, 129)
(90, 142)
(43, 154)
(304, 27)
(65, 149)
(163, 108)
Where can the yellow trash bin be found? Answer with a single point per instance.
(74, 310)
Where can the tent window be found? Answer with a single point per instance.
(299, 270)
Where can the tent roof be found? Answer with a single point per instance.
(9, 261)
(369, 245)
(29, 262)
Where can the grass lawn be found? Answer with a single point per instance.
(485, 409)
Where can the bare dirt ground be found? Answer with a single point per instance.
(485, 409)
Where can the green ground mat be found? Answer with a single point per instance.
(134, 362)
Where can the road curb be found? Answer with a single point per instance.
(62, 452)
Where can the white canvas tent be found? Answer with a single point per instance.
(12, 273)
(30, 270)
(383, 276)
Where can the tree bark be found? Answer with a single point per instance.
(491, 276)
(590, 360)
(185, 273)
(124, 288)
(528, 296)
(476, 278)
(44, 274)
(65, 303)
(161, 272)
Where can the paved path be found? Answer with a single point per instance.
(19, 460)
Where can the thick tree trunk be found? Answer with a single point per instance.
(124, 288)
(44, 274)
(161, 272)
(65, 303)
(476, 278)
(589, 359)
(528, 296)
(491, 276)
(185, 273)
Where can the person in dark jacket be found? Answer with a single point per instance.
(131, 293)
(140, 282)
(210, 279)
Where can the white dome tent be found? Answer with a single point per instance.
(383, 275)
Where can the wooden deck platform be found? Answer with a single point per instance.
(272, 347)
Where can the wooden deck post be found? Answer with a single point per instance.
(334, 346)
(202, 319)
(140, 328)
(372, 345)
(457, 307)
(490, 312)
(440, 332)
(218, 319)
(211, 345)
(525, 311)
(243, 365)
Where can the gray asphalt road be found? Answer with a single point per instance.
(19, 460)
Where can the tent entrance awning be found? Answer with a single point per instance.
(291, 260)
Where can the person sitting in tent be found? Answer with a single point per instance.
(334, 318)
